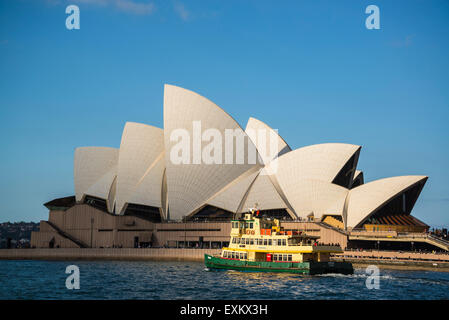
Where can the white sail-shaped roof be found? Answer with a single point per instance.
(267, 141)
(102, 188)
(92, 165)
(317, 162)
(365, 199)
(264, 194)
(321, 179)
(190, 184)
(141, 151)
(148, 190)
(230, 198)
(307, 196)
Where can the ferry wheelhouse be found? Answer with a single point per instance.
(262, 244)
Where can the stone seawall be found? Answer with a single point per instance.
(438, 262)
(161, 254)
(397, 260)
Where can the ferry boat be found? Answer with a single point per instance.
(262, 244)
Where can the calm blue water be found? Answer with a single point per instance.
(190, 280)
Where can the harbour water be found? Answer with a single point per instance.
(28, 279)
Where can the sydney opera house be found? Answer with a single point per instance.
(146, 193)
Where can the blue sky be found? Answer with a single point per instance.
(308, 68)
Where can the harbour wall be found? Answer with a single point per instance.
(159, 254)
(410, 260)
(396, 259)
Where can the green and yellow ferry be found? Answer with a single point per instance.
(261, 244)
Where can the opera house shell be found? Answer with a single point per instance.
(313, 183)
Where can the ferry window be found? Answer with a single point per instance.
(250, 225)
(284, 258)
(275, 258)
(289, 257)
(280, 257)
(246, 255)
(251, 241)
(233, 240)
(284, 242)
(265, 242)
(233, 255)
(269, 242)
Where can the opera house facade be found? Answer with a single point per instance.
(169, 187)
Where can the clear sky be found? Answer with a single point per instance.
(309, 68)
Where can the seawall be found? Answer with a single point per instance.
(161, 254)
(397, 260)
(386, 259)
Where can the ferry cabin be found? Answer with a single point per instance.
(260, 239)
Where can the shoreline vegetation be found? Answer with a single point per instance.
(383, 259)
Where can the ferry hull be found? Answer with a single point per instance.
(311, 268)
